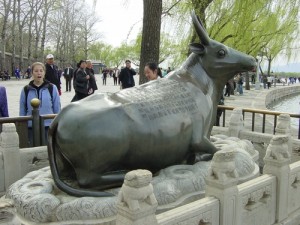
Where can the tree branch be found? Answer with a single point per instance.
(167, 12)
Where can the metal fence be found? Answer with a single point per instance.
(260, 116)
(38, 128)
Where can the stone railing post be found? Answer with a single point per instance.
(283, 127)
(9, 146)
(221, 183)
(277, 162)
(136, 201)
(236, 123)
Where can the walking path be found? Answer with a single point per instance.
(250, 99)
(14, 88)
(255, 99)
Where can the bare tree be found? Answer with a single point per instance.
(22, 20)
(88, 34)
(5, 14)
(47, 6)
(13, 33)
(32, 27)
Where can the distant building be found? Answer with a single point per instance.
(98, 66)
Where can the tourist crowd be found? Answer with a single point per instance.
(45, 85)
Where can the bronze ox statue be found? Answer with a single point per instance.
(161, 123)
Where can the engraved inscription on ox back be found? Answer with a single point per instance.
(163, 98)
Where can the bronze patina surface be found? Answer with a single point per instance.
(152, 126)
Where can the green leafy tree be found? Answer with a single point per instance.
(256, 26)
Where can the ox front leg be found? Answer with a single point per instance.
(202, 151)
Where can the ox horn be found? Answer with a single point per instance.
(200, 29)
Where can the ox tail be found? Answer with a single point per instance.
(52, 145)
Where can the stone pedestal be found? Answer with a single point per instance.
(137, 203)
(283, 127)
(9, 146)
(236, 123)
(277, 162)
(39, 201)
(144, 216)
(222, 184)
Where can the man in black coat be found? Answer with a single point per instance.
(68, 75)
(92, 81)
(126, 75)
(52, 72)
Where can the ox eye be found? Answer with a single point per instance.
(221, 53)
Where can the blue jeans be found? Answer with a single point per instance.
(240, 89)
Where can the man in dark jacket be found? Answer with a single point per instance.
(126, 75)
(68, 75)
(81, 82)
(52, 72)
(92, 81)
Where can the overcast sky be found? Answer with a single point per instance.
(117, 17)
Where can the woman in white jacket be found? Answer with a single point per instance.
(152, 72)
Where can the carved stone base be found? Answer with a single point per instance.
(38, 200)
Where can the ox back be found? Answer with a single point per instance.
(161, 123)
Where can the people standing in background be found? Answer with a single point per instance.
(169, 70)
(92, 81)
(43, 90)
(253, 78)
(118, 75)
(17, 73)
(115, 76)
(219, 111)
(81, 82)
(269, 81)
(104, 76)
(126, 75)
(74, 75)
(68, 75)
(3, 102)
(151, 71)
(240, 83)
(60, 73)
(52, 72)
(28, 72)
(5, 75)
(227, 89)
(232, 86)
(265, 80)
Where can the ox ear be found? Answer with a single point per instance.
(197, 48)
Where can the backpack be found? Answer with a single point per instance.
(26, 90)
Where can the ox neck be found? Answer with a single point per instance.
(193, 71)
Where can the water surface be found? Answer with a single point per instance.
(289, 104)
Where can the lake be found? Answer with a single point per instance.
(289, 104)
